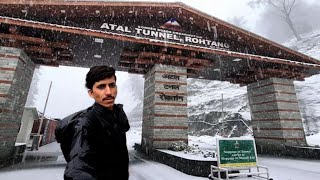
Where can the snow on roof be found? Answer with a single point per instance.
(256, 57)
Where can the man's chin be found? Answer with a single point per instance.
(108, 105)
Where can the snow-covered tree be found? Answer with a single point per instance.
(284, 8)
(239, 21)
(33, 90)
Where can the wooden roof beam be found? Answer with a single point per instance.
(64, 58)
(44, 57)
(204, 62)
(65, 53)
(37, 49)
(189, 60)
(193, 54)
(13, 30)
(129, 54)
(60, 45)
(47, 63)
(240, 81)
(125, 60)
(87, 32)
(131, 67)
(195, 66)
(22, 38)
(285, 73)
(136, 71)
(145, 61)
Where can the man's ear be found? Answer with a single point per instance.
(90, 92)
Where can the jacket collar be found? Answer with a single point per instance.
(101, 110)
(115, 117)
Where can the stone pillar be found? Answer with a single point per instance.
(16, 71)
(275, 113)
(165, 111)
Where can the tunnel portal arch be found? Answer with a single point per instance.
(168, 43)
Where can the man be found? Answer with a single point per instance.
(98, 149)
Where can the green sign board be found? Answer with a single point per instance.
(236, 152)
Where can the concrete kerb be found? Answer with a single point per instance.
(304, 152)
(191, 167)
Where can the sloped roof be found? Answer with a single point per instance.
(184, 12)
(33, 14)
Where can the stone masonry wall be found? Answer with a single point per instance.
(275, 113)
(165, 107)
(16, 71)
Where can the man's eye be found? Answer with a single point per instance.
(101, 86)
(112, 85)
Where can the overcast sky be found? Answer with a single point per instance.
(68, 93)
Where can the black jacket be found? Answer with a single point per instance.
(99, 150)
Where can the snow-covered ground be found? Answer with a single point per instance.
(313, 140)
(140, 169)
(279, 169)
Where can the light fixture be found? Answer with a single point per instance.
(97, 56)
(236, 60)
(98, 40)
(216, 70)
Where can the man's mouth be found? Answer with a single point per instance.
(108, 98)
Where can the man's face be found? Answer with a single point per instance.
(104, 92)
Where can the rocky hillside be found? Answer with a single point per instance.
(205, 97)
(208, 99)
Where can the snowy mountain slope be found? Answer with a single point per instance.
(308, 91)
(205, 96)
(309, 45)
(208, 99)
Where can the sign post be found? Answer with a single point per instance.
(235, 154)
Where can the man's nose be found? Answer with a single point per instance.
(107, 90)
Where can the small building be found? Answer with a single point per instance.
(29, 115)
(48, 126)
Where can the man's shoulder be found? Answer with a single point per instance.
(119, 106)
(77, 114)
(82, 118)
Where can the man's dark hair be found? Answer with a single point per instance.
(98, 73)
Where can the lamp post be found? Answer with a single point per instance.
(223, 121)
(42, 117)
(44, 109)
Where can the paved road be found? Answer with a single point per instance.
(291, 169)
(142, 169)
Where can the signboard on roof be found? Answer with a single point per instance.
(236, 152)
(168, 32)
